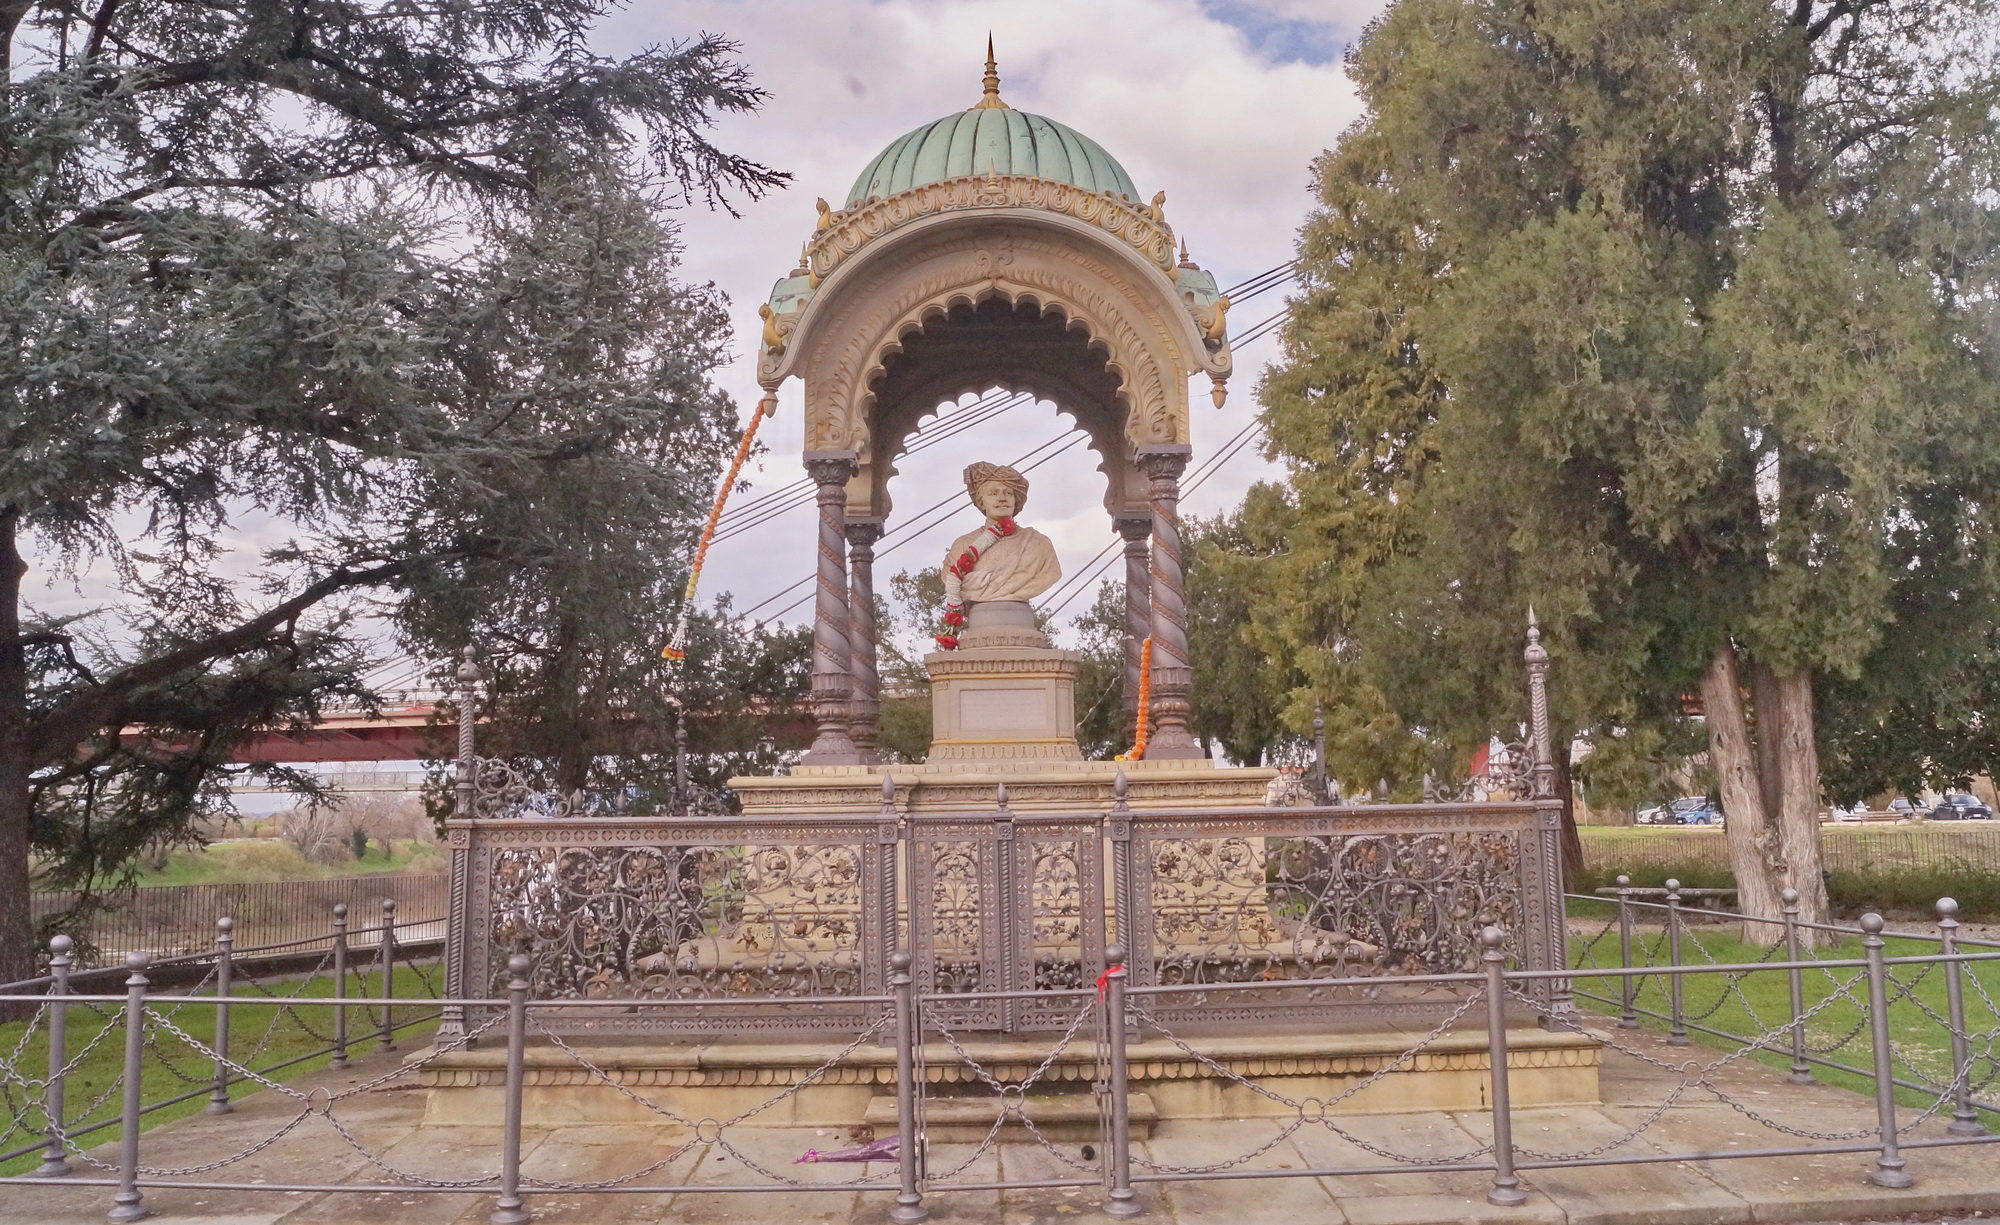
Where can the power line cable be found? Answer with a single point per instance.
(1093, 569)
(950, 508)
(799, 493)
(904, 535)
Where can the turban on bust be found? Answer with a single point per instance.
(979, 474)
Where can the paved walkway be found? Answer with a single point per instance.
(1951, 1184)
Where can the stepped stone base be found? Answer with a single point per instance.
(721, 1079)
(1065, 1118)
(1032, 786)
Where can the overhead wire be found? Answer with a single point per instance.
(991, 406)
(761, 510)
(949, 507)
(1096, 566)
(799, 493)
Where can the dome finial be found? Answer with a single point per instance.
(990, 100)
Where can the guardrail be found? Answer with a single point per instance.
(179, 920)
(1110, 1011)
(270, 973)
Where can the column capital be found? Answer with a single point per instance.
(832, 467)
(1163, 460)
(862, 534)
(1133, 528)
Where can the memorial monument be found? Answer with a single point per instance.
(1000, 690)
(995, 248)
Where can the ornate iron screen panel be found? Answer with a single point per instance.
(1001, 902)
(1382, 892)
(700, 908)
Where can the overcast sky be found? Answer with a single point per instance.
(1221, 104)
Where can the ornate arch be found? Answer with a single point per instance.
(859, 320)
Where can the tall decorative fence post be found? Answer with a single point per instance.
(1964, 1119)
(1888, 1171)
(55, 1157)
(511, 1209)
(1118, 827)
(1008, 913)
(451, 1022)
(1628, 1016)
(128, 1204)
(909, 1207)
(388, 1042)
(1801, 1071)
(1122, 1202)
(1551, 934)
(1677, 1034)
(888, 847)
(339, 984)
(225, 942)
(1506, 1190)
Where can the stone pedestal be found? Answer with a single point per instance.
(1005, 694)
(730, 1075)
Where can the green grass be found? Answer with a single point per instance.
(1765, 995)
(1901, 868)
(287, 1039)
(264, 859)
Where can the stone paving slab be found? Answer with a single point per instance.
(1953, 1185)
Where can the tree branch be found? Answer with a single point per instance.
(56, 733)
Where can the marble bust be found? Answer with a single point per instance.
(1017, 565)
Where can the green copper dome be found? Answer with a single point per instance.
(992, 138)
(995, 141)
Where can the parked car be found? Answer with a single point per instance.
(1688, 810)
(1903, 809)
(1958, 806)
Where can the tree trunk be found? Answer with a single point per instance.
(17, 953)
(1798, 820)
(1764, 701)
(1751, 839)
(1572, 842)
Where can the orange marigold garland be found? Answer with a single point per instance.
(1138, 751)
(954, 578)
(676, 648)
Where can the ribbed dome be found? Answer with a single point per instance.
(992, 140)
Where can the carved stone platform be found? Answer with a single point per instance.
(1033, 785)
(697, 1079)
(1005, 694)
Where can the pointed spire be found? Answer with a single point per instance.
(990, 99)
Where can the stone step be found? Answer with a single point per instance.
(1064, 1117)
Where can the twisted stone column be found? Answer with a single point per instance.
(1163, 464)
(865, 707)
(830, 471)
(1138, 533)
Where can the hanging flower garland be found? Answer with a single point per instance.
(954, 579)
(676, 649)
(1138, 750)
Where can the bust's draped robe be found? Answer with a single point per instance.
(1017, 567)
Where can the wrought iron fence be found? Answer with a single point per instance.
(1099, 1021)
(179, 920)
(708, 910)
(1362, 902)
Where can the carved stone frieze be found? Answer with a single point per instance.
(854, 328)
(854, 228)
